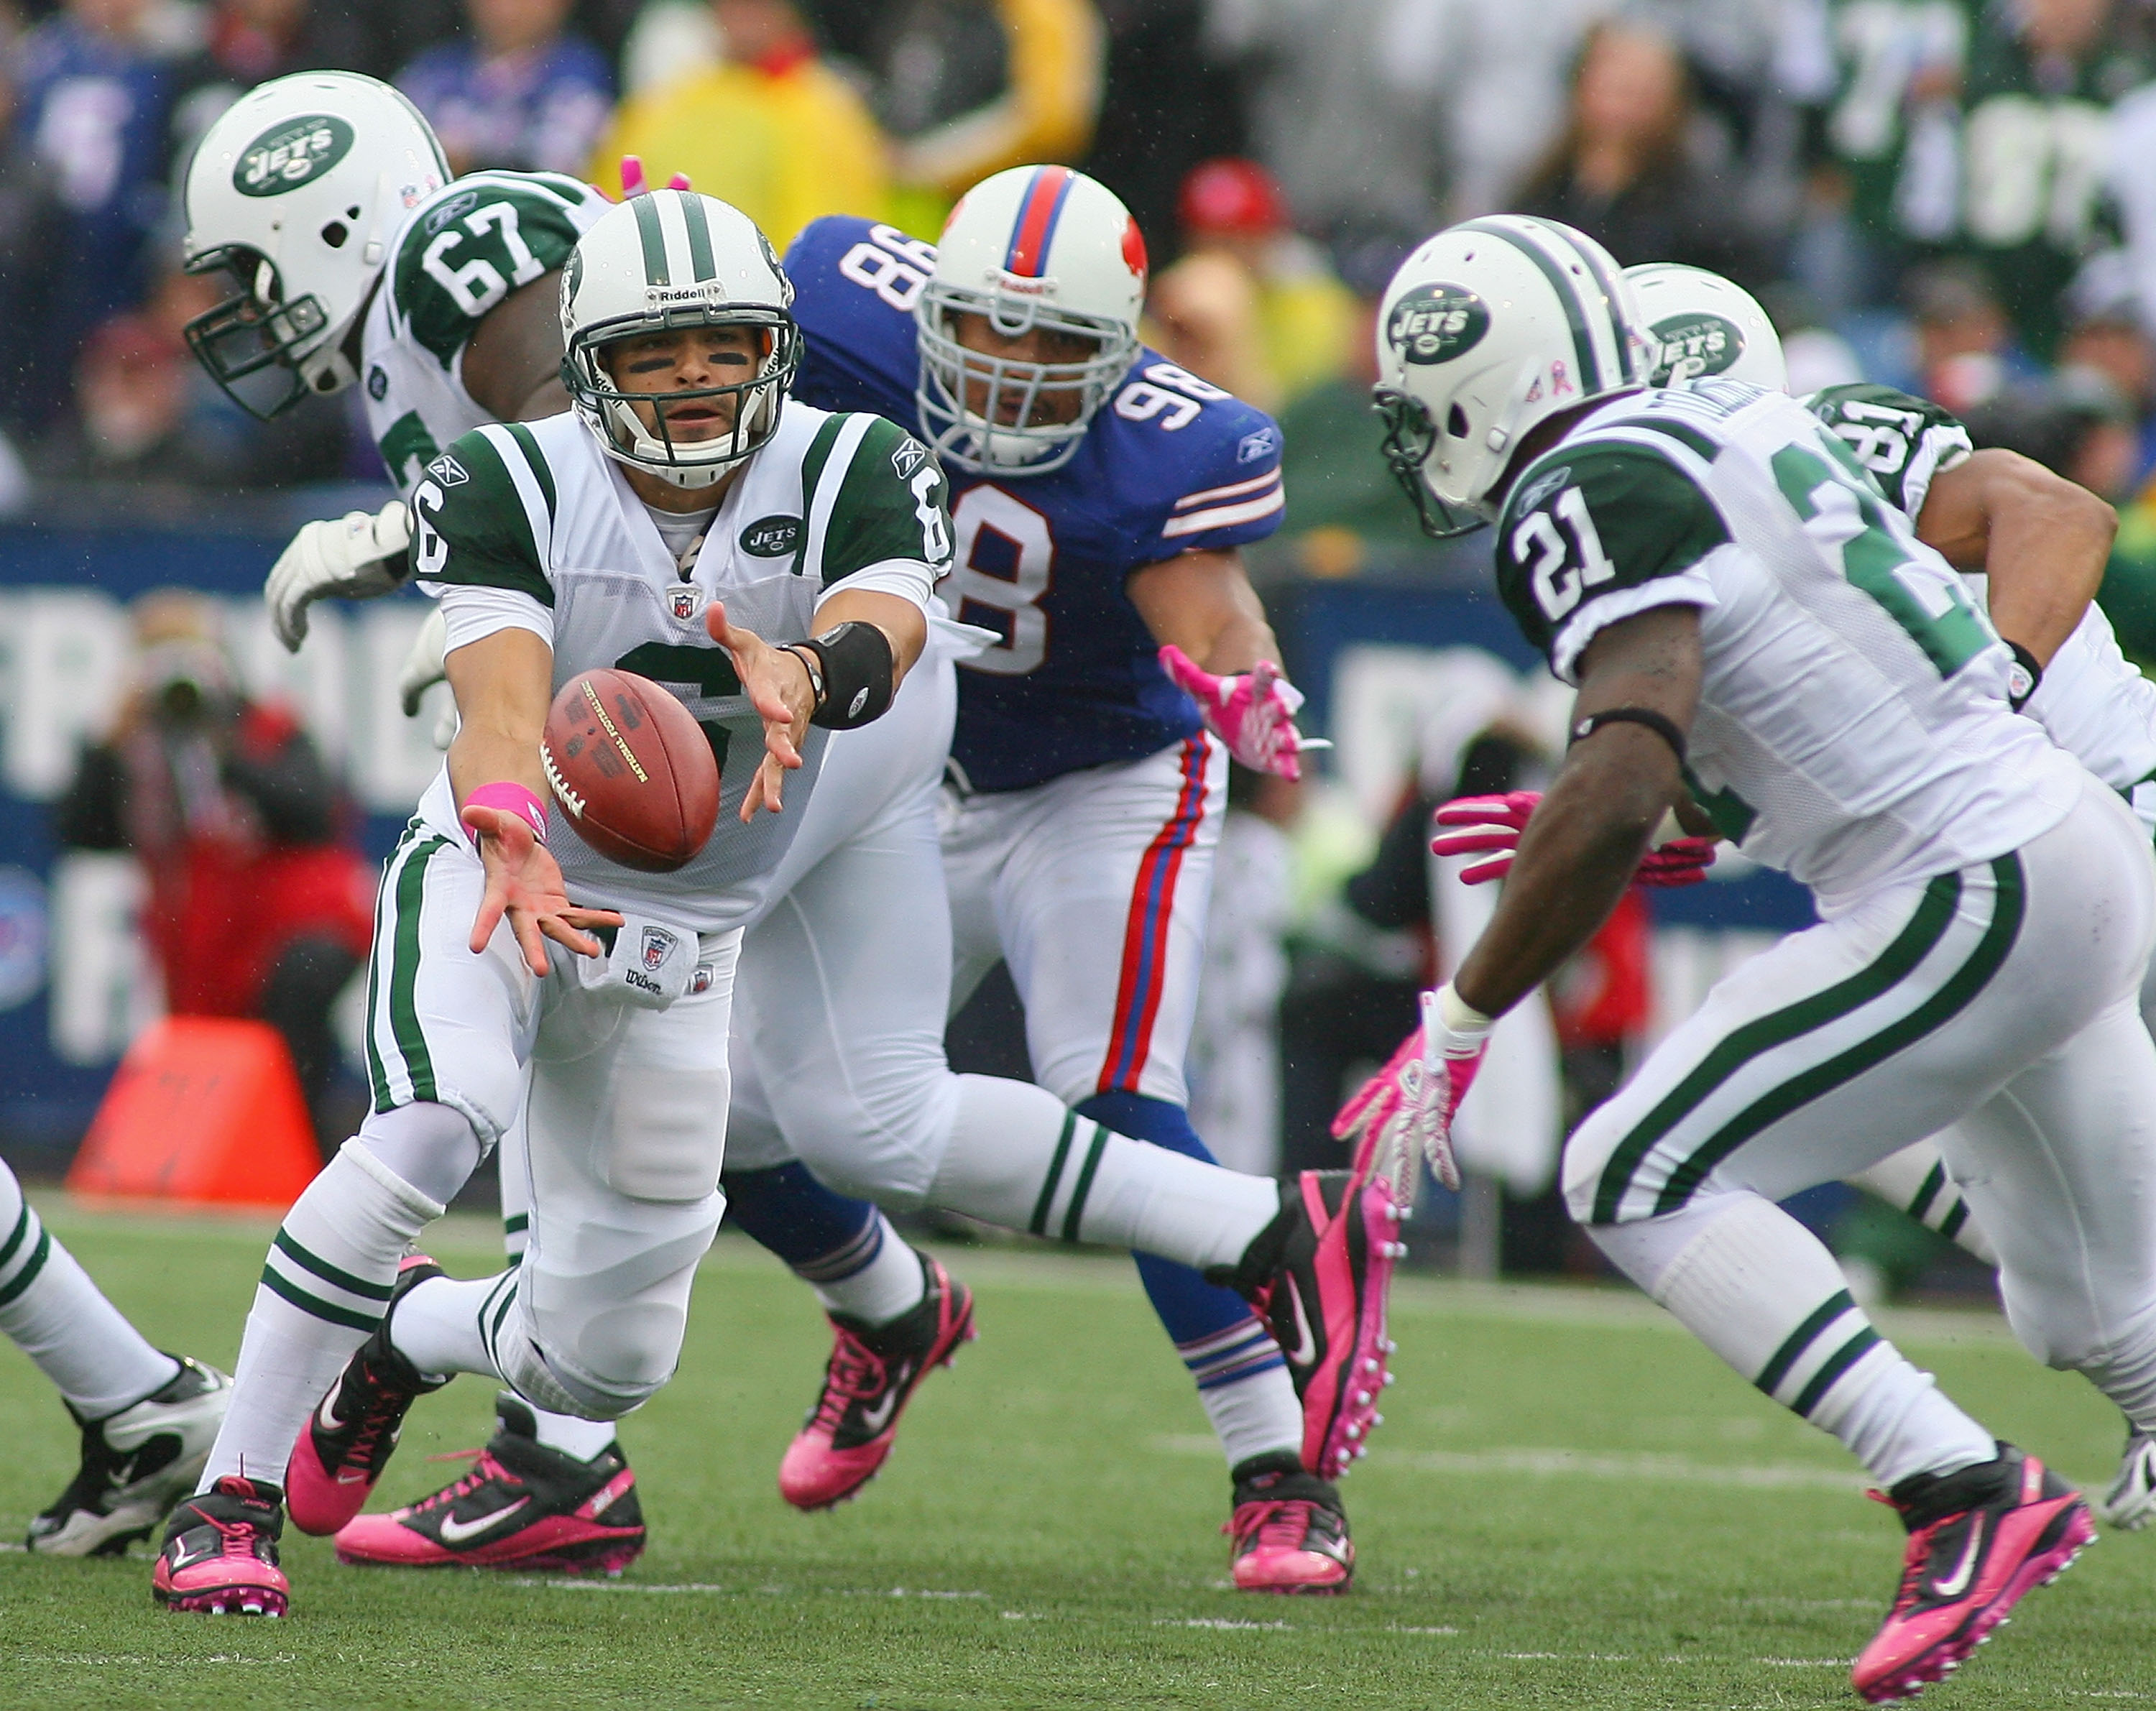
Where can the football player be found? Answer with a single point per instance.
(556, 548)
(146, 1418)
(2032, 547)
(324, 197)
(1748, 622)
(1100, 495)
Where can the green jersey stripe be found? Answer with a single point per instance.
(1927, 926)
(812, 473)
(1037, 1224)
(543, 474)
(308, 1260)
(1698, 444)
(1575, 312)
(653, 238)
(830, 482)
(29, 1274)
(1073, 1217)
(314, 1306)
(18, 1234)
(516, 1223)
(1934, 1013)
(1832, 1369)
(1799, 1340)
(701, 266)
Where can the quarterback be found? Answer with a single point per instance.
(1747, 623)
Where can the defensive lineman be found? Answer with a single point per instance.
(1741, 612)
(1101, 495)
(323, 195)
(547, 546)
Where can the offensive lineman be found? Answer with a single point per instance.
(324, 196)
(1743, 616)
(1101, 496)
(548, 545)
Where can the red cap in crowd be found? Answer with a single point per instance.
(1231, 198)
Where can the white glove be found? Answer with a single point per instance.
(355, 556)
(652, 963)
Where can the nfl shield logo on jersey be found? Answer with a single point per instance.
(658, 945)
(683, 602)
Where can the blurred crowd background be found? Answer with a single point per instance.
(1956, 197)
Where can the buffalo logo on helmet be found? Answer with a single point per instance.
(292, 153)
(682, 603)
(1435, 323)
(1688, 346)
(658, 945)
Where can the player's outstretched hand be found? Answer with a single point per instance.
(1404, 1114)
(634, 182)
(775, 681)
(524, 883)
(357, 556)
(1252, 712)
(1489, 827)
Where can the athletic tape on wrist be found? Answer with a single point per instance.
(857, 667)
(514, 799)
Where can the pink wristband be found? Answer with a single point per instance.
(517, 800)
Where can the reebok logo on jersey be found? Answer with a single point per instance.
(907, 458)
(454, 209)
(1253, 446)
(1541, 488)
(1435, 323)
(771, 536)
(290, 154)
(449, 472)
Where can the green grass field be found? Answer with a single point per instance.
(1571, 1504)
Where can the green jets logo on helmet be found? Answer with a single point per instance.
(294, 153)
(1436, 323)
(1691, 346)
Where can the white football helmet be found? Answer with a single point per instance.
(667, 259)
(1699, 324)
(1032, 247)
(1489, 328)
(297, 191)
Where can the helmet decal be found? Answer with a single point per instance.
(1690, 346)
(289, 154)
(1134, 249)
(1034, 229)
(1436, 322)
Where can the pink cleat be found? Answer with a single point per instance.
(872, 1375)
(523, 1506)
(220, 1552)
(1290, 1533)
(1979, 1539)
(1319, 1275)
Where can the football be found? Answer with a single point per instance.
(632, 770)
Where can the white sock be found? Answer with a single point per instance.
(1247, 1392)
(54, 1314)
(1915, 1180)
(872, 1280)
(582, 1439)
(322, 1292)
(1762, 1292)
(1020, 1158)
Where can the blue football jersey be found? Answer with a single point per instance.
(1170, 464)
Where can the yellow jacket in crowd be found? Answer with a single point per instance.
(784, 141)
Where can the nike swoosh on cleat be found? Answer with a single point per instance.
(1305, 1346)
(876, 1418)
(456, 1532)
(1957, 1583)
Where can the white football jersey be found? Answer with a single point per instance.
(1853, 727)
(2093, 700)
(457, 254)
(538, 510)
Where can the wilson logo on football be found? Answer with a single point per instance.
(1437, 323)
(285, 158)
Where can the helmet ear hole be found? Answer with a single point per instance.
(335, 232)
(1455, 423)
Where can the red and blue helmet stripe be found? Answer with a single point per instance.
(1035, 229)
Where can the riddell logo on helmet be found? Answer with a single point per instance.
(292, 154)
(705, 291)
(1017, 285)
(1436, 323)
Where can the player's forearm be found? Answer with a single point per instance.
(1203, 604)
(503, 683)
(2044, 562)
(903, 623)
(1575, 859)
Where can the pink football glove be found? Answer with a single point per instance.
(1490, 826)
(1253, 712)
(1404, 1113)
(634, 182)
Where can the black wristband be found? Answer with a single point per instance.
(1662, 726)
(2022, 677)
(857, 669)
